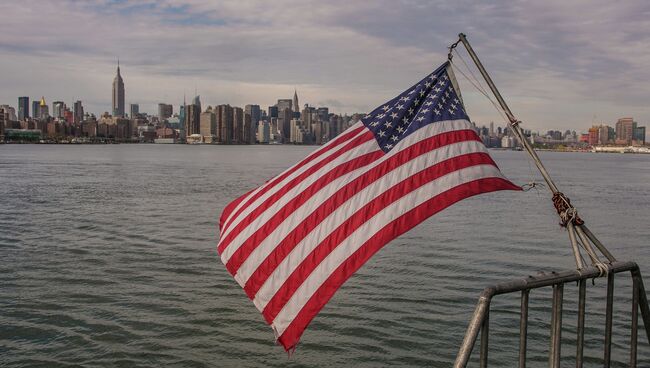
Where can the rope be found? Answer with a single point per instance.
(565, 210)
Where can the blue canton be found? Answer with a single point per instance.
(431, 100)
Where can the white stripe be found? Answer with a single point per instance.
(227, 221)
(325, 192)
(367, 231)
(229, 225)
(335, 219)
(241, 237)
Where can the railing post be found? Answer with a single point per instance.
(523, 328)
(635, 322)
(556, 326)
(608, 320)
(485, 336)
(580, 335)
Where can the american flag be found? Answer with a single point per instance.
(292, 242)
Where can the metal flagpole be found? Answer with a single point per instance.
(568, 214)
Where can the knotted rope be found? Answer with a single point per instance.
(565, 210)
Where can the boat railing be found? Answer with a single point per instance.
(480, 322)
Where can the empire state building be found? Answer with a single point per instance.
(118, 94)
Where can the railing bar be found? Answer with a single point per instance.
(608, 320)
(574, 245)
(523, 328)
(635, 322)
(559, 290)
(643, 302)
(580, 338)
(485, 334)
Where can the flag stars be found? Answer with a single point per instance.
(400, 107)
(394, 138)
(393, 115)
(382, 133)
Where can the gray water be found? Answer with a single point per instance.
(107, 259)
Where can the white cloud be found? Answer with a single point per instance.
(558, 63)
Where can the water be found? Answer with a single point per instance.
(107, 258)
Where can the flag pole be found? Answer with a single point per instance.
(567, 212)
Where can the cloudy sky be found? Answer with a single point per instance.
(559, 64)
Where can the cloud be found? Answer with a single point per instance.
(558, 63)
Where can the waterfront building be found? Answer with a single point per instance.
(238, 125)
(638, 136)
(78, 112)
(23, 108)
(284, 124)
(192, 119)
(208, 125)
(255, 112)
(3, 121)
(165, 111)
(264, 132)
(249, 130)
(224, 124)
(58, 107)
(298, 134)
(134, 110)
(625, 130)
(323, 114)
(593, 135)
(118, 94)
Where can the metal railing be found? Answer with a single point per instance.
(480, 321)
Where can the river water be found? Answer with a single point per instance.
(107, 259)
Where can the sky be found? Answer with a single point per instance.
(559, 64)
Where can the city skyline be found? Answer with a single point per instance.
(554, 70)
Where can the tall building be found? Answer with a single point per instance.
(118, 94)
(36, 110)
(625, 130)
(78, 112)
(638, 136)
(134, 110)
(58, 108)
(197, 101)
(273, 112)
(264, 132)
(3, 121)
(44, 110)
(284, 123)
(208, 122)
(255, 112)
(295, 106)
(238, 125)
(285, 103)
(23, 108)
(165, 111)
(192, 119)
(224, 124)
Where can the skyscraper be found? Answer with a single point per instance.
(625, 130)
(295, 106)
(134, 111)
(118, 94)
(192, 119)
(23, 108)
(58, 107)
(44, 110)
(224, 124)
(255, 113)
(35, 109)
(165, 111)
(78, 112)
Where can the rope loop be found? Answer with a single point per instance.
(565, 210)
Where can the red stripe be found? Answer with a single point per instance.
(292, 334)
(223, 243)
(328, 147)
(230, 207)
(360, 217)
(312, 220)
(239, 256)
